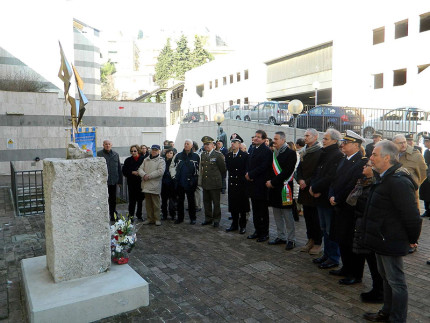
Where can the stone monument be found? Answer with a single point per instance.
(75, 281)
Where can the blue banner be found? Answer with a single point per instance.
(86, 139)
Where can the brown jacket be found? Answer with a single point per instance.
(414, 162)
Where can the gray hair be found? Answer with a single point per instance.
(281, 134)
(389, 148)
(313, 132)
(334, 134)
(399, 136)
(189, 140)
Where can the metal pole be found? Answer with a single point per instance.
(219, 131)
(316, 97)
(295, 127)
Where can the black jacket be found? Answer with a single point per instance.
(392, 219)
(325, 173)
(186, 169)
(259, 167)
(129, 166)
(304, 172)
(238, 200)
(287, 161)
(425, 186)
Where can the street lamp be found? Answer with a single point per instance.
(219, 118)
(295, 107)
(316, 86)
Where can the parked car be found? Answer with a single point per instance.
(324, 116)
(194, 117)
(399, 121)
(272, 112)
(237, 111)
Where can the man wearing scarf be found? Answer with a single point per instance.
(280, 187)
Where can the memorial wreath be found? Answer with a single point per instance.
(123, 239)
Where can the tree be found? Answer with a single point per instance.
(164, 66)
(107, 69)
(200, 55)
(107, 84)
(182, 62)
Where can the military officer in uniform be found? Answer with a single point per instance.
(377, 137)
(212, 170)
(410, 141)
(238, 201)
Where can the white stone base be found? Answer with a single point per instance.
(81, 300)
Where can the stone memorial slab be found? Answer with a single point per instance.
(76, 217)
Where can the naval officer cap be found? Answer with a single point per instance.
(235, 137)
(207, 140)
(426, 138)
(409, 136)
(351, 136)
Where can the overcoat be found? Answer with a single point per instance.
(425, 186)
(259, 168)
(212, 170)
(238, 200)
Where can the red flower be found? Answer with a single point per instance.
(120, 232)
(116, 238)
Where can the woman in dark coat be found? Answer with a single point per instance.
(358, 199)
(168, 194)
(129, 170)
(144, 151)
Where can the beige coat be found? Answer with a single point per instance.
(414, 162)
(154, 168)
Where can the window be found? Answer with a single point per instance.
(231, 102)
(401, 29)
(200, 90)
(422, 67)
(238, 101)
(238, 77)
(216, 83)
(378, 35)
(210, 85)
(231, 78)
(245, 101)
(246, 75)
(224, 80)
(425, 22)
(399, 77)
(378, 81)
(394, 115)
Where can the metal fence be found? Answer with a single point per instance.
(364, 121)
(27, 191)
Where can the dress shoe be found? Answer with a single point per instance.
(426, 214)
(231, 229)
(315, 250)
(338, 272)
(308, 246)
(428, 262)
(157, 223)
(377, 317)
(177, 221)
(290, 245)
(242, 231)
(216, 224)
(262, 239)
(230, 218)
(253, 236)
(412, 249)
(147, 222)
(277, 241)
(198, 209)
(328, 264)
(206, 222)
(320, 260)
(374, 296)
(192, 222)
(349, 281)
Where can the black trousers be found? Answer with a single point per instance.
(112, 201)
(191, 203)
(239, 219)
(260, 216)
(313, 229)
(344, 232)
(358, 261)
(135, 198)
(168, 198)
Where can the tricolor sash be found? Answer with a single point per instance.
(287, 194)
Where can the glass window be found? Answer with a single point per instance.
(246, 75)
(378, 35)
(394, 115)
(269, 105)
(425, 22)
(315, 111)
(378, 81)
(401, 29)
(399, 77)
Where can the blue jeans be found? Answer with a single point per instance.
(395, 289)
(331, 248)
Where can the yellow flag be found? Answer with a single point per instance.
(78, 79)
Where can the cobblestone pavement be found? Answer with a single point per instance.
(205, 274)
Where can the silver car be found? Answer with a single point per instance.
(237, 111)
(272, 112)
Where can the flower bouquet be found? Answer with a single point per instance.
(123, 239)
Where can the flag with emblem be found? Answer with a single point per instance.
(65, 72)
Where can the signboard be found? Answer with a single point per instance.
(86, 139)
(10, 144)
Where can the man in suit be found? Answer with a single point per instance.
(259, 167)
(212, 170)
(425, 186)
(238, 201)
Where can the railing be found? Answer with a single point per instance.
(27, 191)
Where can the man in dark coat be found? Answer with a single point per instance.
(348, 172)
(377, 137)
(324, 174)
(114, 174)
(280, 187)
(308, 162)
(392, 223)
(185, 169)
(238, 201)
(259, 167)
(425, 186)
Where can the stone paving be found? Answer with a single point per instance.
(204, 274)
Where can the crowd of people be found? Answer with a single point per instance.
(360, 204)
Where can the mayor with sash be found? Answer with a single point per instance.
(280, 185)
